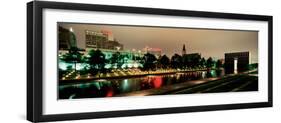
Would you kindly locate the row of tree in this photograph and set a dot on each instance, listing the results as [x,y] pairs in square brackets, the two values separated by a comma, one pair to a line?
[187,61]
[97,61]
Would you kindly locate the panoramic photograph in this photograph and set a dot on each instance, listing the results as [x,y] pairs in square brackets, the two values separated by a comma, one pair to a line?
[102,60]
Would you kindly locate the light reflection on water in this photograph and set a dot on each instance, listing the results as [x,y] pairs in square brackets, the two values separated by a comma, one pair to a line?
[111,87]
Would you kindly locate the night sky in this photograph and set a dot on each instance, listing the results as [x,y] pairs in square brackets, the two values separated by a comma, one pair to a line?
[210,43]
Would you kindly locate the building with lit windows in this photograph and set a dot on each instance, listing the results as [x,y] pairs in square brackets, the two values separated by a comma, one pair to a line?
[130,58]
[155,51]
[101,40]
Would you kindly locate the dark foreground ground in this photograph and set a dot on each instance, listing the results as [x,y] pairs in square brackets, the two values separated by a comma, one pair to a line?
[237,83]
[230,83]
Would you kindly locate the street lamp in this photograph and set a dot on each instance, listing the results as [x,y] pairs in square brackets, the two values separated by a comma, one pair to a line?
[71,30]
[118,48]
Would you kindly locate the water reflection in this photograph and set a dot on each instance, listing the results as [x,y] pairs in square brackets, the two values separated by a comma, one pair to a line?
[111,87]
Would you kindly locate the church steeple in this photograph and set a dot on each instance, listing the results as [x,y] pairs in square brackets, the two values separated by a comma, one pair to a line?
[183,50]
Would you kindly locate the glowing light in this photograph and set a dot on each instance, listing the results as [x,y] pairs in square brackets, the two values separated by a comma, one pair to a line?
[109,93]
[72,96]
[123,66]
[101,80]
[136,65]
[213,73]
[130,65]
[204,74]
[235,66]
[89,76]
[79,66]
[118,48]
[107,66]
[63,65]
[97,85]
[157,82]
[140,65]
[125,85]
[78,76]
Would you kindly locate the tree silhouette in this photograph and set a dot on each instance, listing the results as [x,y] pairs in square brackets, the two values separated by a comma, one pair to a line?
[116,59]
[164,61]
[187,61]
[203,62]
[149,61]
[210,62]
[73,56]
[218,64]
[176,61]
[195,60]
[191,60]
[96,61]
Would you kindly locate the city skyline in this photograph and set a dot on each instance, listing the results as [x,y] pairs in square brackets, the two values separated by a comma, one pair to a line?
[209,43]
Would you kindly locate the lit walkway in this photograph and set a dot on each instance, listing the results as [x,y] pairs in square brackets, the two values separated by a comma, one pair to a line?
[71,78]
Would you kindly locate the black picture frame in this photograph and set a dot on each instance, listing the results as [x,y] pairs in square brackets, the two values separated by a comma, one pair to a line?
[34,60]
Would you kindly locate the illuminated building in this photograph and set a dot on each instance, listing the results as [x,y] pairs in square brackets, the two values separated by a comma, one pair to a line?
[101,40]
[155,51]
[130,58]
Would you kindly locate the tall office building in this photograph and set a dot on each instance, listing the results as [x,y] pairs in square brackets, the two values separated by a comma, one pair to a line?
[101,40]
